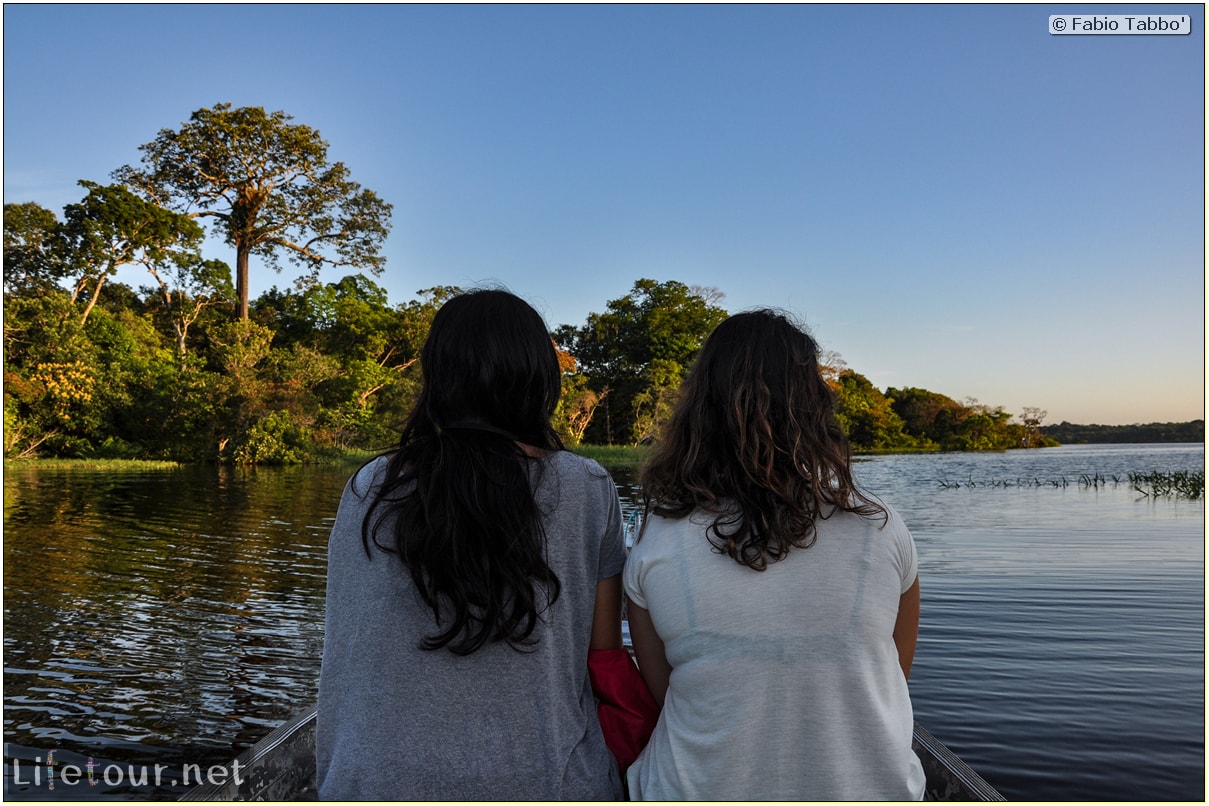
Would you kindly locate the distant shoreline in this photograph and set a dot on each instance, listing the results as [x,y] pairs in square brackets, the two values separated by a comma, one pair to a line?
[1074,434]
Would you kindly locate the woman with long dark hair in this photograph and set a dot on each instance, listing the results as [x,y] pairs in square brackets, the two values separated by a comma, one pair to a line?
[774,606]
[470,572]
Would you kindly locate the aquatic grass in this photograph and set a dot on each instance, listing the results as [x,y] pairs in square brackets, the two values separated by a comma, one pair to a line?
[612,455]
[1156,484]
[91,464]
[325,456]
[1178,484]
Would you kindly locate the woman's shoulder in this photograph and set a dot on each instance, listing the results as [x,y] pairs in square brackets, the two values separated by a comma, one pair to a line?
[892,520]
[574,464]
[654,531]
[368,476]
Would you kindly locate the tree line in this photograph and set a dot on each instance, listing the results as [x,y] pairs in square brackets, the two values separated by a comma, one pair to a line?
[314,372]
[188,368]
[1138,433]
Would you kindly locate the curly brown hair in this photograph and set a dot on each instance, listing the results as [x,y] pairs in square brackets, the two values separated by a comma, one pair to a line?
[754,442]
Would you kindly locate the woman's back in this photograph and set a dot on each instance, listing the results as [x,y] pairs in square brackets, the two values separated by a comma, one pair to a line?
[775,605]
[785,682]
[398,722]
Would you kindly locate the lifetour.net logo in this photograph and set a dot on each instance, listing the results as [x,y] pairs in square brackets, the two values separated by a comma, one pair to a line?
[62,775]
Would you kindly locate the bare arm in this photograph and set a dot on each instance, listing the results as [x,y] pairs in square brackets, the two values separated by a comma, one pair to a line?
[606,618]
[906,628]
[648,647]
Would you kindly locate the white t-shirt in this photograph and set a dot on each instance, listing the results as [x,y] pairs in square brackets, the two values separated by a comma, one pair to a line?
[785,683]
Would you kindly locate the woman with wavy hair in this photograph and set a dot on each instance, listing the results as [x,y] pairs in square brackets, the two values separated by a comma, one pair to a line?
[774,605]
[470,571]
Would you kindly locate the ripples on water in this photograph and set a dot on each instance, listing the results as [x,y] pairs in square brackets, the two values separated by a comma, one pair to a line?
[1061,647]
[171,613]
[1062,636]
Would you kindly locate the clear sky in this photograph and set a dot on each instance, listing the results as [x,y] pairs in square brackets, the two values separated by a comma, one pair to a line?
[949,196]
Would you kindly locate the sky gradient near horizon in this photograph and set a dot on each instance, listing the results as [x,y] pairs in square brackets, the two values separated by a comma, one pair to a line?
[949,196]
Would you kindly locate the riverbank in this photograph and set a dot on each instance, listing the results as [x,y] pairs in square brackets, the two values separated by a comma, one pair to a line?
[606,455]
[92,464]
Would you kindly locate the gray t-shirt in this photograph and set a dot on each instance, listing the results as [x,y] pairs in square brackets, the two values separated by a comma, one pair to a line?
[400,723]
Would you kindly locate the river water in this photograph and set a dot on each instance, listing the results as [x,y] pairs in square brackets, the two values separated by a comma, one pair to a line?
[178,615]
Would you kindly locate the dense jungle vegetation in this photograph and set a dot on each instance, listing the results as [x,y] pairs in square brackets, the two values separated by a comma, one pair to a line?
[187,368]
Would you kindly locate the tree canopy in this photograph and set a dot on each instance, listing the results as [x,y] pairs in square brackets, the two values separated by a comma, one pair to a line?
[635,354]
[111,227]
[34,258]
[165,372]
[269,186]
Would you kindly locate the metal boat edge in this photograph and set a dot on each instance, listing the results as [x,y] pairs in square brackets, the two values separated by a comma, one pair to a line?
[948,777]
[281,767]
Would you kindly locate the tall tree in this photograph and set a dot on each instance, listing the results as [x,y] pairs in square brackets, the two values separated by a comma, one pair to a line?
[1033,417]
[269,186]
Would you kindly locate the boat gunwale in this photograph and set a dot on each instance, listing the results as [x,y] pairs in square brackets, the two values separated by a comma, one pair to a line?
[949,778]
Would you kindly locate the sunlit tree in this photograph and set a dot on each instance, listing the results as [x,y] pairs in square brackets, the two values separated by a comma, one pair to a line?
[34,258]
[269,187]
[638,351]
[111,228]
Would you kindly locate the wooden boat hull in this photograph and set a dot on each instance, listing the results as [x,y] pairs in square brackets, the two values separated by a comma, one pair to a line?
[281,767]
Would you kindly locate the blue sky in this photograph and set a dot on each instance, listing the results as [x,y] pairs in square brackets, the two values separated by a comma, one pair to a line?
[950,197]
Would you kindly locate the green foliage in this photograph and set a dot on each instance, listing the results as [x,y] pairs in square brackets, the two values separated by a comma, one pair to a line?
[333,368]
[114,447]
[611,456]
[180,415]
[269,186]
[187,286]
[577,406]
[637,352]
[91,368]
[111,227]
[34,258]
[867,417]
[275,439]
[653,403]
[926,415]
[54,385]
[938,420]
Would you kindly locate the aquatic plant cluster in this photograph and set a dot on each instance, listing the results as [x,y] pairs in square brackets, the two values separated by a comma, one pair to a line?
[1183,484]
[1180,484]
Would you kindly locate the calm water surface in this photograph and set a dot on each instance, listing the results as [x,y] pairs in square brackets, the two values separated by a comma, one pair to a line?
[179,614]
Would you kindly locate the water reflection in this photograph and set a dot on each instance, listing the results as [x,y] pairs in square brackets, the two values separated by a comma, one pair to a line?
[1062,639]
[170,608]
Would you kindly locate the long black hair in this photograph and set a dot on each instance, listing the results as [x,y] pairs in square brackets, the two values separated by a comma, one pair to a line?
[457,502]
[754,441]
